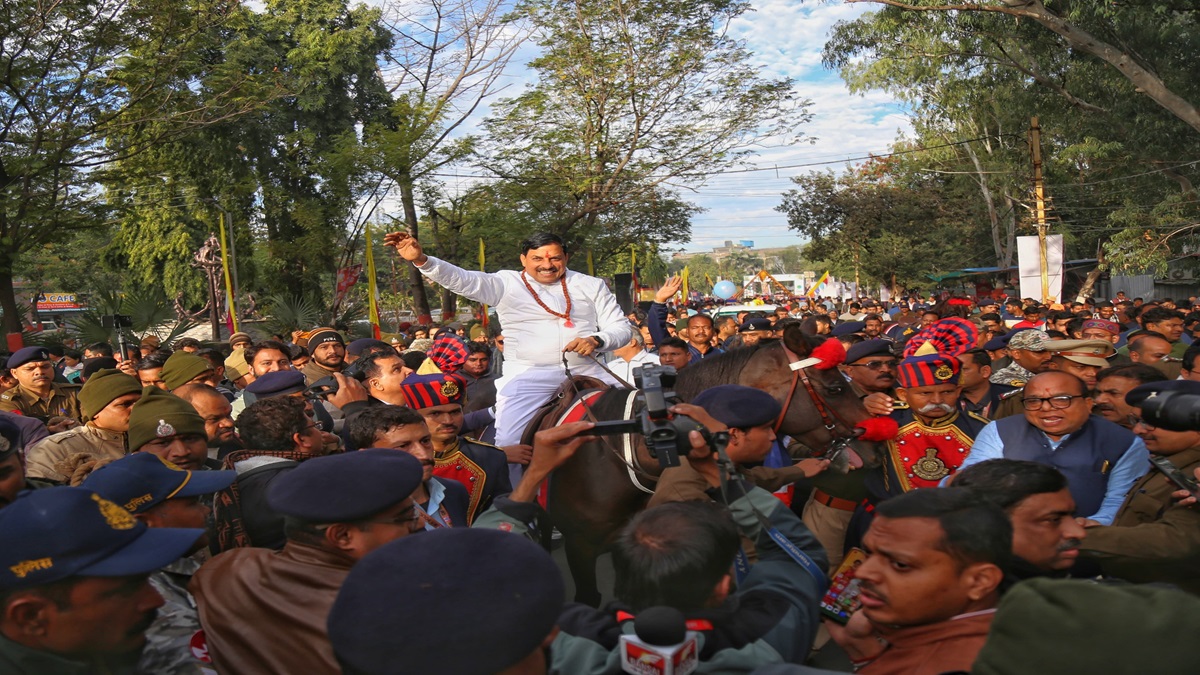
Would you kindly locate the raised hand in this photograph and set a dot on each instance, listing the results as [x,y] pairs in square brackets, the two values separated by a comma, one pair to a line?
[406,245]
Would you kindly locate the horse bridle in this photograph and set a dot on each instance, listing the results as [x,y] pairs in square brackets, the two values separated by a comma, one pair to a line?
[829,418]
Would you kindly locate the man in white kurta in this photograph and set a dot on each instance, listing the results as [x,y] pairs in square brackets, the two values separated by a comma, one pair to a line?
[540,323]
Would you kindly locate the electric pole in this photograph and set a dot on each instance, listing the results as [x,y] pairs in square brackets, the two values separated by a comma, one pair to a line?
[1039,191]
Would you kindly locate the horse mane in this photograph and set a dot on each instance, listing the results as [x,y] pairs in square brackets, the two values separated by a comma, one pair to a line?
[719,369]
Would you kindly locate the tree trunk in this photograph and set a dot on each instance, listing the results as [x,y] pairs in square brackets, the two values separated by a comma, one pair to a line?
[416,279]
[993,217]
[8,297]
[1010,234]
[1085,291]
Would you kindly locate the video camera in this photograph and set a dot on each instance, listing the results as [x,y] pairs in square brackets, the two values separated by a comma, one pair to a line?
[1173,411]
[666,434]
[116,321]
[328,386]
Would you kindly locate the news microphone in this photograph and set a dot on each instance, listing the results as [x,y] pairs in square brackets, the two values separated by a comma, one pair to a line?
[661,644]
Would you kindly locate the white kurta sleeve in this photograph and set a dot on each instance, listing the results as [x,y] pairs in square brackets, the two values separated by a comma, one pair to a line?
[478,286]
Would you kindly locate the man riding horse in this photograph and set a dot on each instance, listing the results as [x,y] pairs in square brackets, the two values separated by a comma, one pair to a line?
[546,310]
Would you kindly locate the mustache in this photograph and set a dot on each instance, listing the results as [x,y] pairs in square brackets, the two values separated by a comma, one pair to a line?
[1068,545]
[934,407]
[1103,406]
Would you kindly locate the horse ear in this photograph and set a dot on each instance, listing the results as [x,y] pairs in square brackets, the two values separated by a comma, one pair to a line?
[793,339]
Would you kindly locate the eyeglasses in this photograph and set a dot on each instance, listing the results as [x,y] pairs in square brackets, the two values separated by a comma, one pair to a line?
[874,365]
[1057,402]
[1134,421]
[410,517]
[499,342]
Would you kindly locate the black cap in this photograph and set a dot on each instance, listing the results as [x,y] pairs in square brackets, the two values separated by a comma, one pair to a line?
[738,406]
[869,348]
[277,383]
[424,587]
[848,327]
[347,487]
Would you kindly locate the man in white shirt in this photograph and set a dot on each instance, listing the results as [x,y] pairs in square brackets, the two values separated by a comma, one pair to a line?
[546,311]
[631,357]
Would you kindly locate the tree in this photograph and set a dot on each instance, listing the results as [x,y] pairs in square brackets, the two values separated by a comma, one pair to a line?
[632,98]
[1109,32]
[71,74]
[880,226]
[447,58]
[1114,159]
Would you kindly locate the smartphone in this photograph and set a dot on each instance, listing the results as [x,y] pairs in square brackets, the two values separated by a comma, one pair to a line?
[1174,475]
[841,600]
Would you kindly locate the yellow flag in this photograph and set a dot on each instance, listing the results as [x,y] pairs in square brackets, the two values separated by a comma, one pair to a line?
[483,309]
[231,318]
[684,277]
[591,265]
[372,291]
[812,290]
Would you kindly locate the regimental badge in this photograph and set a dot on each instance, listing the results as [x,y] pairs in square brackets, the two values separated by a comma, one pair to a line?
[116,517]
[449,389]
[164,429]
[943,372]
[930,467]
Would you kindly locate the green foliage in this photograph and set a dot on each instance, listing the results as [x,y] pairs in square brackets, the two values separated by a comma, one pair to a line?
[1118,151]
[287,313]
[881,225]
[629,98]
[150,310]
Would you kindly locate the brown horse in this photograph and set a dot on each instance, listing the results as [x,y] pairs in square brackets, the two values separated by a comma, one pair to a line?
[592,496]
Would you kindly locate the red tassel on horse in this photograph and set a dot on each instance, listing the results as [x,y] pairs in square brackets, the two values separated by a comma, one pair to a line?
[878,429]
[831,352]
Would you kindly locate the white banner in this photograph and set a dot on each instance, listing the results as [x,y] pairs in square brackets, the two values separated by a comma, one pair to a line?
[1029,260]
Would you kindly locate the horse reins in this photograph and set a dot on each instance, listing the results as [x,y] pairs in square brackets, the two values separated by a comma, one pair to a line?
[799,369]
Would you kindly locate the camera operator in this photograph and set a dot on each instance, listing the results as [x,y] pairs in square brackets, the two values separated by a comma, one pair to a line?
[1153,539]
[750,415]
[680,555]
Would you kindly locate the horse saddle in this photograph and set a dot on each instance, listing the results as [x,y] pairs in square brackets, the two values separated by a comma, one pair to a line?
[570,391]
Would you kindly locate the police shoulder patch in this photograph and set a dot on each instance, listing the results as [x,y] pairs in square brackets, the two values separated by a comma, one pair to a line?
[1016,383]
[1009,394]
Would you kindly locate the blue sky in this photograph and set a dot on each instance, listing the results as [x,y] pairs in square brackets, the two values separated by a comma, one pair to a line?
[786,38]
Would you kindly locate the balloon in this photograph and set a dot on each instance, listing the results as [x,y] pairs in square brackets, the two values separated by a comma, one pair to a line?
[724,289]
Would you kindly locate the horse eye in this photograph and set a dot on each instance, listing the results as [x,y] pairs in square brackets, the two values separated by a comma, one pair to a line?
[835,389]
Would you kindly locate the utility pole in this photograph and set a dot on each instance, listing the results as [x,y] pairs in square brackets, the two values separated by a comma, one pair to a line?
[1039,191]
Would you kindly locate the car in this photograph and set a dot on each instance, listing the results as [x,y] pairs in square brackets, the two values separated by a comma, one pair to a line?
[733,310]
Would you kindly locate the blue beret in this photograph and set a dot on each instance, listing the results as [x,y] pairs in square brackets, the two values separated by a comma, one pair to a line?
[346,487]
[27,355]
[1140,393]
[52,534]
[142,480]
[848,327]
[277,383]
[868,348]
[739,406]
[424,587]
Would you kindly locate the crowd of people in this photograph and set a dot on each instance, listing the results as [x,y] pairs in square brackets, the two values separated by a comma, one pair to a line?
[312,503]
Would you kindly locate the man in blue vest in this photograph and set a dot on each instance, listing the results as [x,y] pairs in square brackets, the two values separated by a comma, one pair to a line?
[1101,460]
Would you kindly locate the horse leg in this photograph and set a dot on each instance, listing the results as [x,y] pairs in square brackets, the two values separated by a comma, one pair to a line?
[581,559]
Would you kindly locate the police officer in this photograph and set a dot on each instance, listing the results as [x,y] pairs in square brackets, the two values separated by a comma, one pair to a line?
[37,395]
[339,509]
[161,494]
[75,595]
